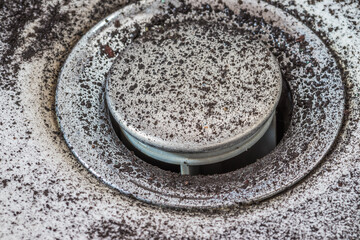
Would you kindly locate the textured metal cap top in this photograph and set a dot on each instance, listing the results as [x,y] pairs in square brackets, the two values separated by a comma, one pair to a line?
[193,88]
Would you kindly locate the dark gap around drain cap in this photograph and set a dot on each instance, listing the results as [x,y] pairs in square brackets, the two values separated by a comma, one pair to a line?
[283,118]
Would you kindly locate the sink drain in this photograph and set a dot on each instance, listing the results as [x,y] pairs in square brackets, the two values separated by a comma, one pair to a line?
[112,50]
[192,95]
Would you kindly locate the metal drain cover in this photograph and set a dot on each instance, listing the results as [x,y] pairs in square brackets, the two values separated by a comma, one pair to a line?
[193,93]
[305,63]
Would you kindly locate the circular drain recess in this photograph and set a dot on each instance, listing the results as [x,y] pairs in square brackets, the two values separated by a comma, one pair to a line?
[226,34]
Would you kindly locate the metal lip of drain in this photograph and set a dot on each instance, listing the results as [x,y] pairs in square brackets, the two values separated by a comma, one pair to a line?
[317,93]
[161,96]
[203,158]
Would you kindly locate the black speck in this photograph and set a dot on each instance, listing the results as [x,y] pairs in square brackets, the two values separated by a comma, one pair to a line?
[133,87]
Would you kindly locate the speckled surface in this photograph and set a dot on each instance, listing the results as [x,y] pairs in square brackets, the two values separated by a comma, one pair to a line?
[46,193]
[194,87]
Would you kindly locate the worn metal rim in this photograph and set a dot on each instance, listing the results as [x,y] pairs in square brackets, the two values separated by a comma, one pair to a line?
[197,159]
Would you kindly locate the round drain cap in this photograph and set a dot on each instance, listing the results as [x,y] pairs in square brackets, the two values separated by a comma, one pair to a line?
[192,94]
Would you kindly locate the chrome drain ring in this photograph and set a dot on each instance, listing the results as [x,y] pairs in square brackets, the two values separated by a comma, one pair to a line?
[317,116]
